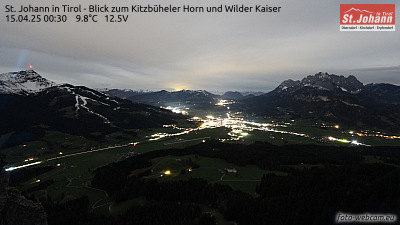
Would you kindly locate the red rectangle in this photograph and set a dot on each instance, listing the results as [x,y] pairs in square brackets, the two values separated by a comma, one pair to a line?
[367,14]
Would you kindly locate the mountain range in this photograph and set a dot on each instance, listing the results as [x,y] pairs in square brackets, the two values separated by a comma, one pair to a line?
[163,98]
[122,93]
[332,98]
[30,103]
[320,97]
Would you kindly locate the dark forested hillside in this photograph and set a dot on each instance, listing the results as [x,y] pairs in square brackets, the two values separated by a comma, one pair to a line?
[77,111]
[320,182]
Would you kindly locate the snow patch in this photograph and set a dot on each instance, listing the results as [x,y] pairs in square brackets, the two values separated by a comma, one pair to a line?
[77,103]
[84,105]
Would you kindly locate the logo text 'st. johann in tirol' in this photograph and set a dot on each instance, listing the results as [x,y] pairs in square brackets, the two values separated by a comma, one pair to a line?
[367,17]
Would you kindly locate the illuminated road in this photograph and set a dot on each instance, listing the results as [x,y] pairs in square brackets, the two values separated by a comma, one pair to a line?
[89,151]
[67,155]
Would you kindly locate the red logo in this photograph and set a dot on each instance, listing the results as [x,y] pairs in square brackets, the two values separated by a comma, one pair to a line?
[365,17]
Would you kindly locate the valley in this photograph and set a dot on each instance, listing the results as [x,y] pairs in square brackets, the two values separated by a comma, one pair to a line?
[102,157]
[75,158]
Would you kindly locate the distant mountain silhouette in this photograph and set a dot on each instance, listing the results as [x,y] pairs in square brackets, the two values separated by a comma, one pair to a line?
[161,98]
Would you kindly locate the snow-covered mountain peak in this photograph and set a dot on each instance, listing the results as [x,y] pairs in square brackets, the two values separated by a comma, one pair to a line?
[323,81]
[23,82]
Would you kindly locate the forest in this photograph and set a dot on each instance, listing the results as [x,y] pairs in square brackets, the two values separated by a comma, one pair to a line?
[319,182]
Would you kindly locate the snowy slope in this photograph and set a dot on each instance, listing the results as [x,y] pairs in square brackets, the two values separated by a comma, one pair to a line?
[23,82]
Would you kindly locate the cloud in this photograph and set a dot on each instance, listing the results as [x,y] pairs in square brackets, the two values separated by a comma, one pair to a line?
[387,74]
[387,68]
[220,51]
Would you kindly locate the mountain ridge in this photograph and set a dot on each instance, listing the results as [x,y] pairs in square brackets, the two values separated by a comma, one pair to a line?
[323,81]
[160,98]
[332,98]
[77,110]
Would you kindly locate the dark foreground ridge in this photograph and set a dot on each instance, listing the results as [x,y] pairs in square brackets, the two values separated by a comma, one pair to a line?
[302,184]
[16,209]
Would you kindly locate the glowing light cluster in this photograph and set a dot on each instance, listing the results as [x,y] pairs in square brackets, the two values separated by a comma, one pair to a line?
[224,102]
[176,110]
[353,142]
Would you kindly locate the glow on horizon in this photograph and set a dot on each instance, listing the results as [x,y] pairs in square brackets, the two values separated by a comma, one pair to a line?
[178,86]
